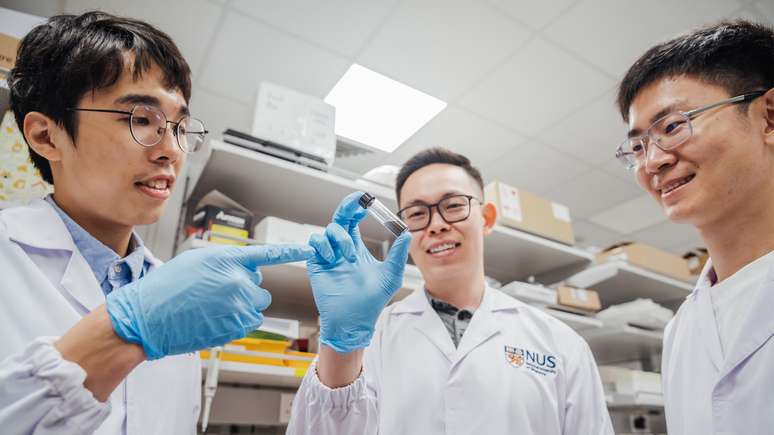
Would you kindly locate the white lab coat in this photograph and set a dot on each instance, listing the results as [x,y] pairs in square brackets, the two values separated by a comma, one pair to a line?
[46,286]
[415,381]
[705,393]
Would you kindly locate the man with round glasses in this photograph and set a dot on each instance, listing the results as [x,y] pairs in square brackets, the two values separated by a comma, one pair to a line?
[700,110]
[458,357]
[97,335]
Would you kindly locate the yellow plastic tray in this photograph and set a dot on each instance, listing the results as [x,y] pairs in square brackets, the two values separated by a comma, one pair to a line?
[257,345]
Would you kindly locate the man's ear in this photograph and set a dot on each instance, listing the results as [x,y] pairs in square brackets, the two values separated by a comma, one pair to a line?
[45,136]
[489,211]
[768,110]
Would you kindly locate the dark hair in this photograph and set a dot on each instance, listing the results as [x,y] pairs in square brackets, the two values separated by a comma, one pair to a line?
[432,156]
[736,55]
[60,61]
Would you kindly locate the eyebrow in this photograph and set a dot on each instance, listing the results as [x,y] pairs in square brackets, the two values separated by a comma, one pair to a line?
[149,100]
[444,196]
[660,114]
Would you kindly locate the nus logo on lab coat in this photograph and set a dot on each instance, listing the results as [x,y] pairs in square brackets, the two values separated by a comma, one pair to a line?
[534,361]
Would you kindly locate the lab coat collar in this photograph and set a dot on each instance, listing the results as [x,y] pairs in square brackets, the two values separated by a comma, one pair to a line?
[416,302]
[482,325]
[37,225]
[757,327]
[706,316]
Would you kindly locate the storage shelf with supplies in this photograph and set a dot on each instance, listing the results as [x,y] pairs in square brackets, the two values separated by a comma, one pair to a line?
[256,374]
[270,186]
[618,281]
[575,321]
[621,402]
[622,343]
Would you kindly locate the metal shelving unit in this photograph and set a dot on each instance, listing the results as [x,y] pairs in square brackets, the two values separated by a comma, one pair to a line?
[618,281]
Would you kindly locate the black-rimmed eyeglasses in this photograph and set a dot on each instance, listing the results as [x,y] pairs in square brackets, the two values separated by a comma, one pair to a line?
[147,125]
[455,208]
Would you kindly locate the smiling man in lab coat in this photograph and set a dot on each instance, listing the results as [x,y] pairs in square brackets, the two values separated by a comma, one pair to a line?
[95,335]
[700,110]
[456,358]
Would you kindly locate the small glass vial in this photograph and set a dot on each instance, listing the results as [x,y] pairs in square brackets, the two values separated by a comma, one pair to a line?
[383,214]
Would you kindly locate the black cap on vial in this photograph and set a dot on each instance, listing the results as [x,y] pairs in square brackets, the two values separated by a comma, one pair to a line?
[366,200]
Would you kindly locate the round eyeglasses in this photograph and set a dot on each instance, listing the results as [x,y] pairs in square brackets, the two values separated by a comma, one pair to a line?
[147,125]
[453,209]
[668,132]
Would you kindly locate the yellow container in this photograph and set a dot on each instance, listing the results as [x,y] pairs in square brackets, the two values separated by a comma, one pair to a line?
[300,366]
[296,363]
[254,344]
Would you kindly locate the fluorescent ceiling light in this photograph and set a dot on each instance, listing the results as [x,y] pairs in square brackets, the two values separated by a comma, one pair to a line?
[378,111]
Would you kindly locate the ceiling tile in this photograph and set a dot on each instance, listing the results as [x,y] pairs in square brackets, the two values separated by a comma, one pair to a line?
[362,163]
[533,167]
[478,139]
[536,88]
[592,192]
[43,9]
[590,235]
[442,53]
[668,235]
[339,25]
[534,14]
[762,11]
[630,216]
[235,72]
[624,30]
[590,134]
[219,113]
[190,25]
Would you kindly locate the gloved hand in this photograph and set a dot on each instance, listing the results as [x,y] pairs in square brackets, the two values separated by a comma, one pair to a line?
[350,286]
[201,298]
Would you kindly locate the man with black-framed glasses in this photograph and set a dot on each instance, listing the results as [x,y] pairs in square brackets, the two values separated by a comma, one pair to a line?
[700,109]
[97,335]
[458,357]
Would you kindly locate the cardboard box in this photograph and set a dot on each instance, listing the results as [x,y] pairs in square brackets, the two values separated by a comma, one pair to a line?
[273,230]
[648,257]
[13,26]
[582,299]
[216,212]
[8,47]
[526,211]
[696,259]
[224,221]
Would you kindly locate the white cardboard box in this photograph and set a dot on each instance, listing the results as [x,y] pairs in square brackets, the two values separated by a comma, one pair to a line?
[273,230]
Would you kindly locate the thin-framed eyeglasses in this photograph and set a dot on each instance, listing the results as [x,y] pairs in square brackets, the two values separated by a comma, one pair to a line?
[452,209]
[669,132]
[147,125]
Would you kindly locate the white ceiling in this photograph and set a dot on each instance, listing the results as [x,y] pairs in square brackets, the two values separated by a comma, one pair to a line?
[530,84]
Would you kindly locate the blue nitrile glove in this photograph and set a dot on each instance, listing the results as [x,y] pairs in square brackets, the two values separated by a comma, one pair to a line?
[350,286]
[201,298]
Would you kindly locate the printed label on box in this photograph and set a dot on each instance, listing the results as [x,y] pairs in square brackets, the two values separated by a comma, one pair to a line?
[580,294]
[510,203]
[561,212]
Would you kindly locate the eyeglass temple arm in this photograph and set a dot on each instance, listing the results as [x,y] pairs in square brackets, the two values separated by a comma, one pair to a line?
[738,99]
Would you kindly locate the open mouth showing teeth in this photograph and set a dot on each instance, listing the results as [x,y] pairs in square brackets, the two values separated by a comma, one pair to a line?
[677,183]
[159,185]
[442,248]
